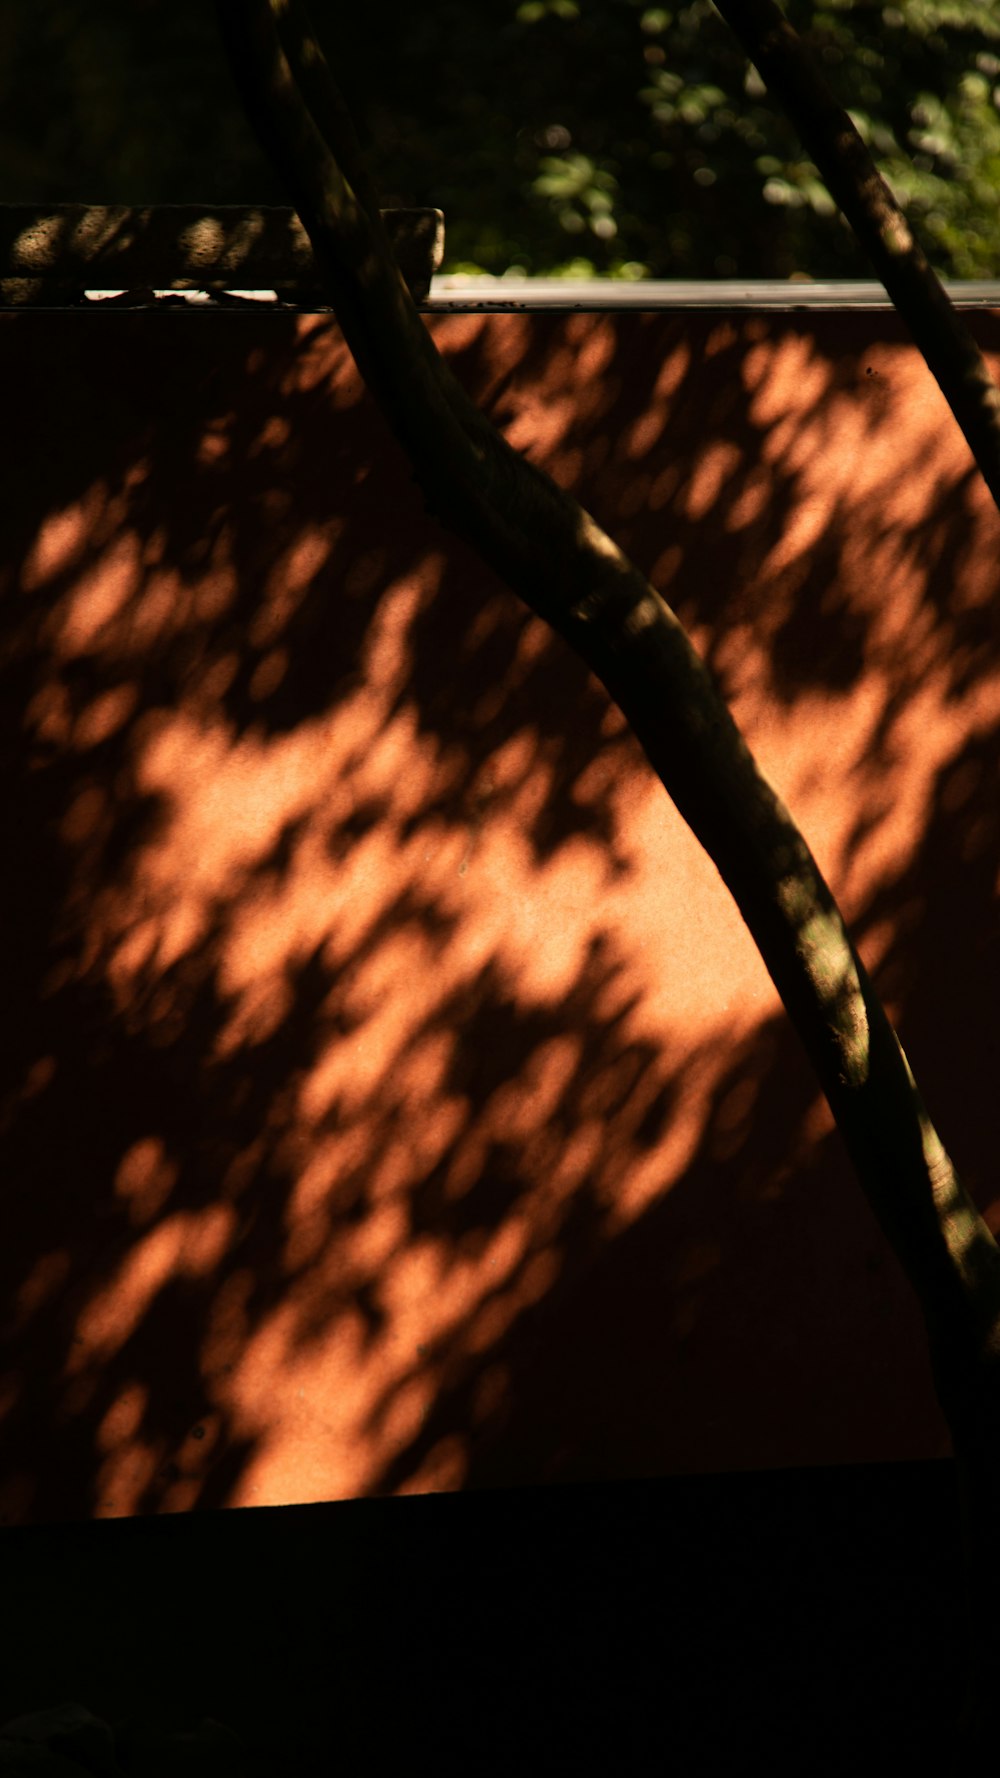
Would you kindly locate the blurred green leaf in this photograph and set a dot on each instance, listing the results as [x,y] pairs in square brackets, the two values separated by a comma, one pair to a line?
[637,128]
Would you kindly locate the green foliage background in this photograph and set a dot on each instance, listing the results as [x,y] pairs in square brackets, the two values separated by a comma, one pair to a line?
[583,137]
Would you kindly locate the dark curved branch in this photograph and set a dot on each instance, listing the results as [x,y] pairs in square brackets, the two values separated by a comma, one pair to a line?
[790,72]
[554,555]
[322,96]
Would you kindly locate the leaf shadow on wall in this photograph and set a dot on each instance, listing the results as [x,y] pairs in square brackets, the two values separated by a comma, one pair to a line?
[390,1097]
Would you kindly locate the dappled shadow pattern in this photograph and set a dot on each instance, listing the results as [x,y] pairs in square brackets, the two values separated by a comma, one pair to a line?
[391,1097]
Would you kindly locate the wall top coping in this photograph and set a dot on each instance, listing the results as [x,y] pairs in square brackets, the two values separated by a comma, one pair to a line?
[500,296]
[452,292]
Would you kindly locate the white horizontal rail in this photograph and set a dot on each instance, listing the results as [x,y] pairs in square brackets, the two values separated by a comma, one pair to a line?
[452,293]
[456,292]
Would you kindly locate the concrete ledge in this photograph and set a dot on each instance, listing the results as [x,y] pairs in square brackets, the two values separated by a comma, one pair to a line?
[710,1624]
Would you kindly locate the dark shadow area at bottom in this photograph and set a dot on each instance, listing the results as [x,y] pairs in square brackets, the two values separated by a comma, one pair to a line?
[806,1620]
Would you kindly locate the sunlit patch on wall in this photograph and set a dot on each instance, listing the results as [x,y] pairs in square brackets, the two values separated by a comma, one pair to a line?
[644,434]
[190,1243]
[145,1179]
[597,350]
[443,1469]
[60,543]
[104,716]
[717,463]
[98,598]
[123,1418]
[48,1273]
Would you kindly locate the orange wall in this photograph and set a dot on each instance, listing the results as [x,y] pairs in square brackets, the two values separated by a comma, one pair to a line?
[392,1099]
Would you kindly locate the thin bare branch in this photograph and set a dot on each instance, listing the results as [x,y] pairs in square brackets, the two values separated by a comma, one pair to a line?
[790,72]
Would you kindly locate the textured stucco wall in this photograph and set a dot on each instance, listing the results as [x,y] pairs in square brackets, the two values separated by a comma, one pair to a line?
[392,1099]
